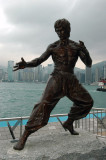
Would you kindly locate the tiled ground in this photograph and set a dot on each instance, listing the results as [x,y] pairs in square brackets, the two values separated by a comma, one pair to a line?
[54,127]
[51,127]
[52,142]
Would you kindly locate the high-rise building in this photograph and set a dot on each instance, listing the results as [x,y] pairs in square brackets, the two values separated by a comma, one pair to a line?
[50,68]
[105,71]
[82,78]
[78,75]
[45,74]
[28,75]
[97,75]
[40,76]
[1,74]
[88,76]
[5,77]
[20,75]
[10,71]
[38,73]
[16,76]
[46,71]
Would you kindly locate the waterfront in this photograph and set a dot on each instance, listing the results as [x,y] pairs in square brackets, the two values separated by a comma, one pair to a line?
[18,99]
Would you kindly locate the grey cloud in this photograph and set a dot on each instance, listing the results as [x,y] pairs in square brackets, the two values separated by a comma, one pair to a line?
[34,12]
[91,20]
[33,24]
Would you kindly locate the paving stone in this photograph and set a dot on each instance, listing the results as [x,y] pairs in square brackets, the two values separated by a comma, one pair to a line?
[56,146]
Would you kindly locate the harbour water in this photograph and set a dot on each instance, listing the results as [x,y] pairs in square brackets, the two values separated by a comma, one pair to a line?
[18,99]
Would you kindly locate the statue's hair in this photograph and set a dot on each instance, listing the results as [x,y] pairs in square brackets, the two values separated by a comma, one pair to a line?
[62,23]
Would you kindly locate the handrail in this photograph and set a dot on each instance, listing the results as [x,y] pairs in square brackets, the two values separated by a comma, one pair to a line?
[98,108]
[53,115]
[26,117]
[94,122]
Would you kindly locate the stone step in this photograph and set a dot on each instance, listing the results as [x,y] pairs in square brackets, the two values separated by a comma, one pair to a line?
[56,145]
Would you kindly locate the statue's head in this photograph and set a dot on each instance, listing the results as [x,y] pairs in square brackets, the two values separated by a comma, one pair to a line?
[62,28]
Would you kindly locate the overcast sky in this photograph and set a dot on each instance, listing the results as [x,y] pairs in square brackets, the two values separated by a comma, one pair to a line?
[27,27]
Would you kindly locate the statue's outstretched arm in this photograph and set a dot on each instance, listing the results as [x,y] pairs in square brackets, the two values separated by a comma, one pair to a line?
[84,55]
[35,62]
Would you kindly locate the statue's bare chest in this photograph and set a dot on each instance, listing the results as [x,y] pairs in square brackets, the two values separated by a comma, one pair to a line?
[65,53]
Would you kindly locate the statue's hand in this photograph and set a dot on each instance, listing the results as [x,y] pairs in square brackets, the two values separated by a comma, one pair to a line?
[83,51]
[20,65]
[81,44]
[82,47]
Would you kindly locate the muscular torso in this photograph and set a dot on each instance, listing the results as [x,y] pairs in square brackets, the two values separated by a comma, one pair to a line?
[65,57]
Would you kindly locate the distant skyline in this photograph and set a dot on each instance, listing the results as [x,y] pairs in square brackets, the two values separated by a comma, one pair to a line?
[27,27]
[98,63]
[41,74]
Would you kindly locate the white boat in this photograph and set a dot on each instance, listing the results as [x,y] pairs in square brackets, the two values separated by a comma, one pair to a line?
[102,85]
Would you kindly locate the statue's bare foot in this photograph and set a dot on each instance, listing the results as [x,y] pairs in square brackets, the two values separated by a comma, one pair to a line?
[20,145]
[70,128]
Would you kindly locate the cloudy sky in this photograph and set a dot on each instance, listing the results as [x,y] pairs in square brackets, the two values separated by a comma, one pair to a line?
[27,27]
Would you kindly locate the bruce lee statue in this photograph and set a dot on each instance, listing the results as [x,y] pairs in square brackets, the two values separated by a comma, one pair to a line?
[62,82]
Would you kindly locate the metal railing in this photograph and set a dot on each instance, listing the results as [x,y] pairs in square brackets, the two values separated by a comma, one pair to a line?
[95,122]
[19,122]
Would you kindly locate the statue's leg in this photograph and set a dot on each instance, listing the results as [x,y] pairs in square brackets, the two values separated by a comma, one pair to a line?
[41,112]
[82,105]
[21,143]
[68,125]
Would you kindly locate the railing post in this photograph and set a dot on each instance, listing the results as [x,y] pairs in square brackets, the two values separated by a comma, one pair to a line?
[79,123]
[85,124]
[82,123]
[97,122]
[101,123]
[76,124]
[93,120]
[89,122]
[21,127]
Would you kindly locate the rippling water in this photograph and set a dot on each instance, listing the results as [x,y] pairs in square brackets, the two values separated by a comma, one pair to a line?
[18,99]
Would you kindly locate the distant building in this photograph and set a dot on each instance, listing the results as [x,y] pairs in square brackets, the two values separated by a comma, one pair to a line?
[16,76]
[45,74]
[36,74]
[82,78]
[47,71]
[5,77]
[88,76]
[28,75]
[50,68]
[10,71]
[40,73]
[104,71]
[1,74]
[97,74]
[20,75]
[78,75]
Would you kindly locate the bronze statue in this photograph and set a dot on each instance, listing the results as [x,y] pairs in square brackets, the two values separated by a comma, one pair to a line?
[62,82]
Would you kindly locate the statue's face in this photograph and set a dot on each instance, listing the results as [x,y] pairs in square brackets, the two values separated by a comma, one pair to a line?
[62,33]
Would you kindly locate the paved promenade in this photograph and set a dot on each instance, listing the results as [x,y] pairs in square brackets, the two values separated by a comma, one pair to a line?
[52,142]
